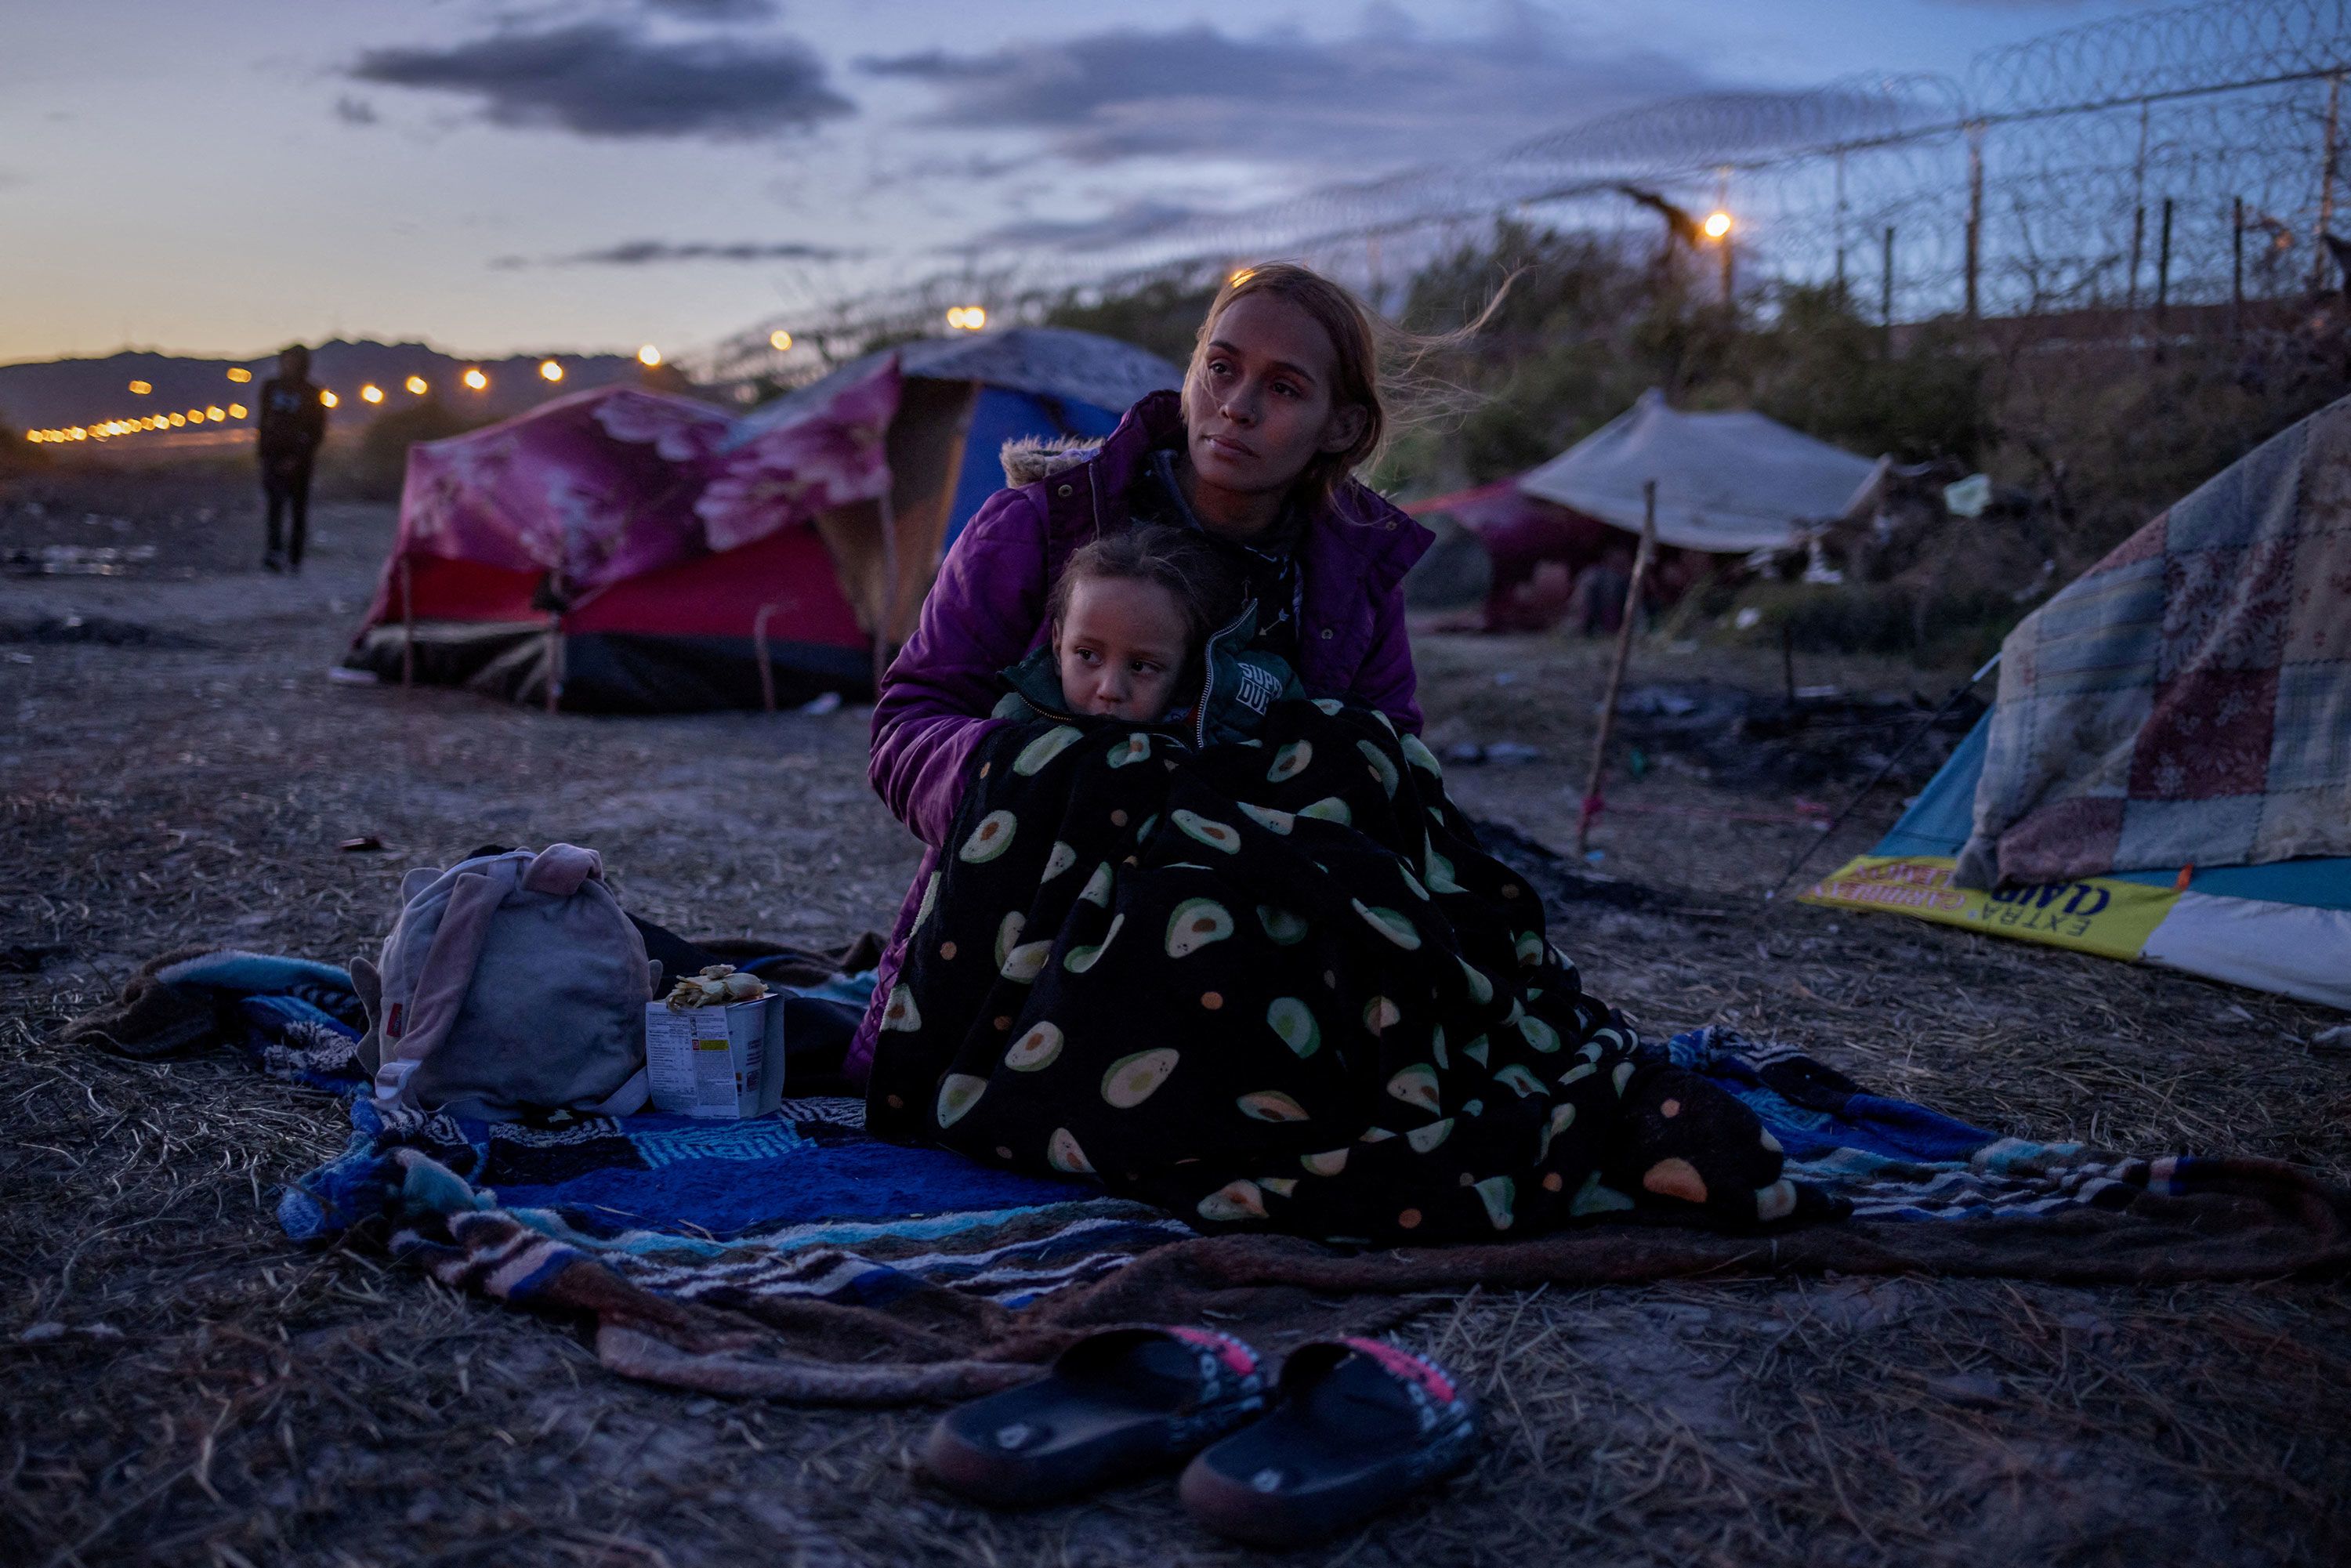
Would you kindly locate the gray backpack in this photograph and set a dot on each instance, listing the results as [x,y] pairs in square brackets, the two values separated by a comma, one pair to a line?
[511,983]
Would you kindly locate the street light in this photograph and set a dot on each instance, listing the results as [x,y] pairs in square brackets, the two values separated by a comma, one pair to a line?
[141,389]
[779,339]
[549,371]
[1717,228]
[327,399]
[649,356]
[966,317]
[475,379]
[239,374]
[372,392]
[416,385]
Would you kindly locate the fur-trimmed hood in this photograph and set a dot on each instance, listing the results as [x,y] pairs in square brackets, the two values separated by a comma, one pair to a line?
[1030,459]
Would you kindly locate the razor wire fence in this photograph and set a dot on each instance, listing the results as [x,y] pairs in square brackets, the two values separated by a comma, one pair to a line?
[2190,157]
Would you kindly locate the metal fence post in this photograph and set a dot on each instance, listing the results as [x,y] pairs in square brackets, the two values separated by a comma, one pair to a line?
[2138,214]
[2326,166]
[2237,268]
[1975,215]
[2163,267]
[1840,229]
[1886,299]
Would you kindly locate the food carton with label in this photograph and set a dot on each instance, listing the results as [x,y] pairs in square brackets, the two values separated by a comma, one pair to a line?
[715,1046]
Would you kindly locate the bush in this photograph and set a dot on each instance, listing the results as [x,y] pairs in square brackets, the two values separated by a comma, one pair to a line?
[1931,626]
[18,456]
[1163,316]
[379,465]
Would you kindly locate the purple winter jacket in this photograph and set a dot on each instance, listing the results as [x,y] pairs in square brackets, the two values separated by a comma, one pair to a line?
[986,612]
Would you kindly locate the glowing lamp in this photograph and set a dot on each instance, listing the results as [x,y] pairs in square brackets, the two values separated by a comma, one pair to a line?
[549,371]
[327,399]
[779,339]
[236,411]
[1716,224]
[215,413]
[966,317]
[372,392]
[475,379]
[415,384]
[239,374]
[649,356]
[142,388]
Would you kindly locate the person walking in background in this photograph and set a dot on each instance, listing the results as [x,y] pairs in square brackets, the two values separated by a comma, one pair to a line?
[293,422]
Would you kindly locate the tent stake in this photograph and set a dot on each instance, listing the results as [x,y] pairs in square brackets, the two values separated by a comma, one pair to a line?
[1878,778]
[1592,804]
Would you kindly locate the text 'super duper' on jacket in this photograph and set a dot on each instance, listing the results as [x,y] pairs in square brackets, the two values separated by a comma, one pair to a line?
[986,612]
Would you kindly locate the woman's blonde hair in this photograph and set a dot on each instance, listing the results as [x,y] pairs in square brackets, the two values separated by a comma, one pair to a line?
[1372,362]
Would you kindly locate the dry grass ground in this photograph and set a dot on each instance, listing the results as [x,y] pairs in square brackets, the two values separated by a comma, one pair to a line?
[179,1385]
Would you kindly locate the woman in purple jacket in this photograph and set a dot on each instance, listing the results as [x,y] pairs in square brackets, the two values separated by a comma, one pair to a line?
[1279,406]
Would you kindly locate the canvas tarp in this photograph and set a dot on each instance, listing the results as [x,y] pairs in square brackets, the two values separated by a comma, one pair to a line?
[2187,702]
[1727,482]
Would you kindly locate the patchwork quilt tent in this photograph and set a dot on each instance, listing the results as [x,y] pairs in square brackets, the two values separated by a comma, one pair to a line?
[622,550]
[2167,773]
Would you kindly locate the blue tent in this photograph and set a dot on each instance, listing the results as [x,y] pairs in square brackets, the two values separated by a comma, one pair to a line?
[964,397]
[999,414]
[2284,926]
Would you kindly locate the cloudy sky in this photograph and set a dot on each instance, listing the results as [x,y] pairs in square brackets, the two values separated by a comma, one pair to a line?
[217,176]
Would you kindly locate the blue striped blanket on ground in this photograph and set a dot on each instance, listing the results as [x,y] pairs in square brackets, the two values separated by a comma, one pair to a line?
[805,1205]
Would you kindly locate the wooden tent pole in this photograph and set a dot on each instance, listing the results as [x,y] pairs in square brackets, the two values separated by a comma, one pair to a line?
[407,625]
[1592,800]
[760,651]
[554,659]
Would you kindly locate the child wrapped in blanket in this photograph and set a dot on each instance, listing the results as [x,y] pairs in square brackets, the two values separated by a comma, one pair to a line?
[1235,953]
[1149,625]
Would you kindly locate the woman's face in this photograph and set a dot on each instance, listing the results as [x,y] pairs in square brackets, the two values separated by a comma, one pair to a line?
[1121,647]
[1257,405]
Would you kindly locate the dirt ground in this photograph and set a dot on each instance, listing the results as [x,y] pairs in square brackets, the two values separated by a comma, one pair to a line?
[180,1384]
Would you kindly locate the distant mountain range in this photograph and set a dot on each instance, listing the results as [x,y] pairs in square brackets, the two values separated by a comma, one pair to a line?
[65,393]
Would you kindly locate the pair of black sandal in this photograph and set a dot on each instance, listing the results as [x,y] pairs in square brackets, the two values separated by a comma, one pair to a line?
[1353,1427]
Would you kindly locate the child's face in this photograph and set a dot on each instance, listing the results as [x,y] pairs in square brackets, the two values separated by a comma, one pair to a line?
[1121,647]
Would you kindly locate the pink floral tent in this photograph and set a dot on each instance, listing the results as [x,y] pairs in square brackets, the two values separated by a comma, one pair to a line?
[625,549]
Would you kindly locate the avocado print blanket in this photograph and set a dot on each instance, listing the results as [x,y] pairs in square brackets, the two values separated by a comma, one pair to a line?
[1277,984]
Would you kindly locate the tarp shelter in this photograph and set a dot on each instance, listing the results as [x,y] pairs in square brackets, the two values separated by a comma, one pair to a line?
[648,553]
[965,397]
[1727,482]
[1518,534]
[2167,773]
